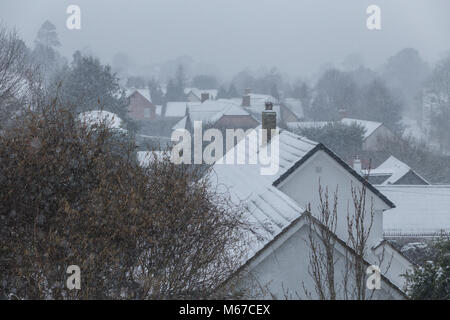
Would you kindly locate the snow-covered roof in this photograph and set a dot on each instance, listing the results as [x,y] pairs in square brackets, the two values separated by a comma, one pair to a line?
[261,99]
[420,210]
[258,105]
[306,124]
[370,126]
[234,110]
[393,168]
[211,111]
[256,111]
[145,157]
[295,105]
[176,109]
[143,92]
[98,117]
[237,101]
[269,211]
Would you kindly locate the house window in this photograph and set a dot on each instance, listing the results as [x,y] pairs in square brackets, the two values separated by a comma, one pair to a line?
[147,113]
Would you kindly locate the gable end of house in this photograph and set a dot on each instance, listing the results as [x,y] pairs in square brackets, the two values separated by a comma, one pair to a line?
[322,147]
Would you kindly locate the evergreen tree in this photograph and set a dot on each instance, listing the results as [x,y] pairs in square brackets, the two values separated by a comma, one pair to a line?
[136,82]
[89,85]
[175,88]
[432,280]
[156,93]
[172,92]
[180,79]
[204,82]
[346,140]
[304,94]
[222,93]
[47,35]
[378,103]
[405,72]
[335,90]
[274,92]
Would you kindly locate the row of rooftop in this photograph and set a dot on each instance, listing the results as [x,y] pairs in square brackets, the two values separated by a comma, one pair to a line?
[406,205]
[424,215]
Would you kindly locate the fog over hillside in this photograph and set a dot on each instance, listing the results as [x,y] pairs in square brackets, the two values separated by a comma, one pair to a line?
[298,37]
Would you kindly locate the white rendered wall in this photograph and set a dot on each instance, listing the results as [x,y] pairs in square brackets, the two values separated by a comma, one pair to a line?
[303,187]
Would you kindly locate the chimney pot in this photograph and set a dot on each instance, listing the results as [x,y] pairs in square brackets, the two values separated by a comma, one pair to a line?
[246,100]
[269,120]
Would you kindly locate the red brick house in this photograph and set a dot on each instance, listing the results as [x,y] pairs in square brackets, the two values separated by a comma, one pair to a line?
[140,105]
[222,114]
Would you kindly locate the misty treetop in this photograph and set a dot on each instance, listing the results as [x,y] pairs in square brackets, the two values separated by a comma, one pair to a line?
[431,280]
[405,72]
[347,140]
[204,82]
[47,35]
[337,92]
[88,85]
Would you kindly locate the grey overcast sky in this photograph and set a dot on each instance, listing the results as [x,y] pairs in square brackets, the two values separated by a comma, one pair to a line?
[297,36]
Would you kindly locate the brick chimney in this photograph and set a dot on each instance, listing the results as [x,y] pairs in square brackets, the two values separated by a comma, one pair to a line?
[269,120]
[246,99]
[205,96]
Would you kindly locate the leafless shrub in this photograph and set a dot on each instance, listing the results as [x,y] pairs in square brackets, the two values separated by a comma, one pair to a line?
[359,224]
[323,258]
[73,194]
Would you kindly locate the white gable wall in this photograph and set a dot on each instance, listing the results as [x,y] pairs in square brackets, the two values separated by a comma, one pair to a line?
[394,264]
[191,97]
[303,187]
[284,261]
[281,272]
